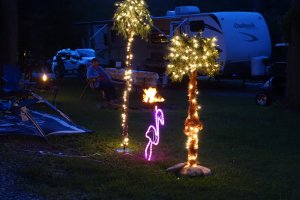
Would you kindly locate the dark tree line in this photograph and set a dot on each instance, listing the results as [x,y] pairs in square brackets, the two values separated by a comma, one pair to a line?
[293,69]
[47,26]
[9,31]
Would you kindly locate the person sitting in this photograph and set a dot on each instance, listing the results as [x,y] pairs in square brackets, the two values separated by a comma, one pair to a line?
[101,80]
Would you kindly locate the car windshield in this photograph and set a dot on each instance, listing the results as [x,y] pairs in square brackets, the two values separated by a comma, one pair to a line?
[86,52]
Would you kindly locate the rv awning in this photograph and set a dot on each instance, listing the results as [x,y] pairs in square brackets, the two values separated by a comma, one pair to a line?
[161,24]
[159,20]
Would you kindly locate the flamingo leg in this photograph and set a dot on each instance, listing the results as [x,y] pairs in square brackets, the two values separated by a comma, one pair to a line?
[148,151]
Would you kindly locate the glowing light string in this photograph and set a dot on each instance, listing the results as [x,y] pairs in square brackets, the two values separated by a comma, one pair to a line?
[128,87]
[153,133]
[131,19]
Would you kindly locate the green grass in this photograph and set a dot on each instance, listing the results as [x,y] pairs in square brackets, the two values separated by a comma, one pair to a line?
[252,151]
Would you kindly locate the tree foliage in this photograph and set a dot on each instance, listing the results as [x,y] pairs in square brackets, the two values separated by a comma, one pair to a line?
[132,17]
[188,54]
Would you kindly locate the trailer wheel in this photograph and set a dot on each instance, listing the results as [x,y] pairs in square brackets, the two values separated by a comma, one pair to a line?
[263,99]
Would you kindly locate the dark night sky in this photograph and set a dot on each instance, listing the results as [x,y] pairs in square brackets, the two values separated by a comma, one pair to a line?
[47,26]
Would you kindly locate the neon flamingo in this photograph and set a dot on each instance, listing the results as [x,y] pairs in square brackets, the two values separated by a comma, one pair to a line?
[153,133]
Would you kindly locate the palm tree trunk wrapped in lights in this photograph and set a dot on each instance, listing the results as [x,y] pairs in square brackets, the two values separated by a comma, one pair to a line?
[192,123]
[188,56]
[127,90]
[131,19]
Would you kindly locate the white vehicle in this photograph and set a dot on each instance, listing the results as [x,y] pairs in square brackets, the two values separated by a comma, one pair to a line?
[67,61]
[241,36]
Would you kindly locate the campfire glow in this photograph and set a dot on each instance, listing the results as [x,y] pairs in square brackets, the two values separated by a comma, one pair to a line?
[44,78]
[150,96]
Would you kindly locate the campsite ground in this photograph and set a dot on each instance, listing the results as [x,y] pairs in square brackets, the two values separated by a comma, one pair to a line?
[252,151]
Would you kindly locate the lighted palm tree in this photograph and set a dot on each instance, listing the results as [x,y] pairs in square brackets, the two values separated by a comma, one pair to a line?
[190,56]
[131,19]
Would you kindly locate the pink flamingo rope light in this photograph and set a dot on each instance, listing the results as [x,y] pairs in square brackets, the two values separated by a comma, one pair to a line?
[153,133]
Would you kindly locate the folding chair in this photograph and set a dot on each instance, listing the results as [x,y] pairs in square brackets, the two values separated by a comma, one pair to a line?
[12,90]
[11,77]
[91,83]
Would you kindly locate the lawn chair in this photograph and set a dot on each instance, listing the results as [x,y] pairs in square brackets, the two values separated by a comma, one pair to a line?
[90,83]
[13,96]
[11,77]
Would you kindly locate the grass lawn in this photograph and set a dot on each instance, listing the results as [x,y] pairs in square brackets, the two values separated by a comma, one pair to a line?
[252,151]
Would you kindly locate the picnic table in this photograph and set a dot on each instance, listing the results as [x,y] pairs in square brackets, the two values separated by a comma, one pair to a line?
[139,78]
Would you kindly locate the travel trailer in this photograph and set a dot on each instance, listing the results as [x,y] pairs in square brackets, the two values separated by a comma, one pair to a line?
[241,36]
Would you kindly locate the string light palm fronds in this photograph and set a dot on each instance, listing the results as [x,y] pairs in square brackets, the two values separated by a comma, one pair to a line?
[132,17]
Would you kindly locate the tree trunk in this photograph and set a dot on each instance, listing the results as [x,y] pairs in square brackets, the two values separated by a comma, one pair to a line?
[293,67]
[192,122]
[128,85]
[9,32]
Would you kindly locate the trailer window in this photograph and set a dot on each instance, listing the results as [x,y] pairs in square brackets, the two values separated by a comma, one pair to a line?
[197,26]
[158,38]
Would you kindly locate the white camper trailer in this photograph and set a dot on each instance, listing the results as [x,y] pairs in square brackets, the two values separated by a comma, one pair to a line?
[241,36]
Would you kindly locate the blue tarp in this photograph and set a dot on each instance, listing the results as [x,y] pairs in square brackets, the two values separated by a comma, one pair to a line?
[51,124]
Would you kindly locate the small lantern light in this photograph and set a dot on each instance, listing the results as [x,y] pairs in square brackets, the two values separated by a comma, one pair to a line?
[44,77]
